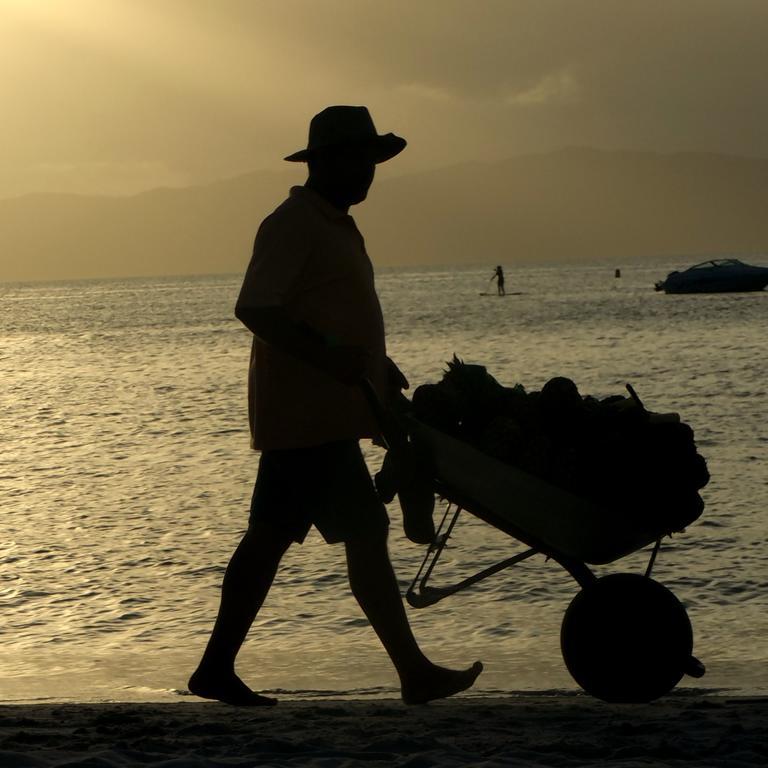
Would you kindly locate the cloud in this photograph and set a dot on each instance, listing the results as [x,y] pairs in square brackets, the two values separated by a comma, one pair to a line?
[425,92]
[210,89]
[555,88]
[111,178]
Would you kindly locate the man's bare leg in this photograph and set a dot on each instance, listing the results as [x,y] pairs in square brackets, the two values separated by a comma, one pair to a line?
[249,576]
[375,587]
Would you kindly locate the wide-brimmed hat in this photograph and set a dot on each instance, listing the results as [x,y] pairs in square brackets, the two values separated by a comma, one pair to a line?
[348,126]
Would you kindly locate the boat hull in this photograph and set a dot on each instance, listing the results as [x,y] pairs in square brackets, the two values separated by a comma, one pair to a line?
[716,276]
[718,286]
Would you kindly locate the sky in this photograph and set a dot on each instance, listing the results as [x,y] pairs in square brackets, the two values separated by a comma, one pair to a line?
[120,96]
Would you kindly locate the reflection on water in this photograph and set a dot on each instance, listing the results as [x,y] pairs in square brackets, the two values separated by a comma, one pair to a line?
[125,476]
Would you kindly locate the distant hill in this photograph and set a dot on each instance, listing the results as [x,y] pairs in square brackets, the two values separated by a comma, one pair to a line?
[197,230]
[565,206]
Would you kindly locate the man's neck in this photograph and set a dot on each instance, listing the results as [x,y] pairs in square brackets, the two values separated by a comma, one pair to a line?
[327,195]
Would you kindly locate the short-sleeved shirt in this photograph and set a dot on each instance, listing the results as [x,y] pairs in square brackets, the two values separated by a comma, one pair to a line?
[310,259]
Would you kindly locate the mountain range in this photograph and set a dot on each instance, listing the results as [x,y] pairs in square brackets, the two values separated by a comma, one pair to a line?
[571,205]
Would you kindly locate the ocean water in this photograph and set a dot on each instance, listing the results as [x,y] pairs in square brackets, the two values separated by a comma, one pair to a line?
[125,476]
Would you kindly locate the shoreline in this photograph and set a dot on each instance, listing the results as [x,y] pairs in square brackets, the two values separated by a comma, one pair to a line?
[373,695]
[523,729]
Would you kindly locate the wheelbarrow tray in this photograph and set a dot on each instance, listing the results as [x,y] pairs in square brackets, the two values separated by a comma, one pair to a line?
[624,636]
[543,516]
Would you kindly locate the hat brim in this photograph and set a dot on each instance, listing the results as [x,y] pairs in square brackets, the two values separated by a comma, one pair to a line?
[382,148]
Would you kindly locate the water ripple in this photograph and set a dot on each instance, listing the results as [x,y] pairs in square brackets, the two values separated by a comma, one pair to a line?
[125,477]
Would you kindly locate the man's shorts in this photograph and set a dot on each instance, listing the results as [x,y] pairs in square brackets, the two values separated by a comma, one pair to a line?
[327,486]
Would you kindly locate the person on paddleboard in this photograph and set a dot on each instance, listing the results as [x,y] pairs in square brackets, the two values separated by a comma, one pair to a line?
[498,276]
[309,299]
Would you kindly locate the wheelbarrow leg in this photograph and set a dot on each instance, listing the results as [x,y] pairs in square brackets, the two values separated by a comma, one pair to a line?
[426,595]
[434,551]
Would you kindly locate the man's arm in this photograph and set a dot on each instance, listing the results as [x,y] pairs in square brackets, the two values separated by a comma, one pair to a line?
[274,327]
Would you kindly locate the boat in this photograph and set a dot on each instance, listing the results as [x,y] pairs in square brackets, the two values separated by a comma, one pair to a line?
[716,276]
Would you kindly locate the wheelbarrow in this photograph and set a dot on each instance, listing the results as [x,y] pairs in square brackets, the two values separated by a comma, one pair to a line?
[624,637]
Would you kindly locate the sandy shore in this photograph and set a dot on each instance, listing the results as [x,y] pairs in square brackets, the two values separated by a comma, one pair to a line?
[690,729]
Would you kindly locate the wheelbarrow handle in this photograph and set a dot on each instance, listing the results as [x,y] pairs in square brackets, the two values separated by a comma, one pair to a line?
[413,486]
[392,433]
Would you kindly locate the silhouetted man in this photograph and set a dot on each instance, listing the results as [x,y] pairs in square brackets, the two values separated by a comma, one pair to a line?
[309,299]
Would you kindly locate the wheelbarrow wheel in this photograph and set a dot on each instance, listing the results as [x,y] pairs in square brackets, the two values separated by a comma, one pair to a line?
[626,638]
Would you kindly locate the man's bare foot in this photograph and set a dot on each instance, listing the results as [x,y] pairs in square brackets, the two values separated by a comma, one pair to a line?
[438,683]
[227,688]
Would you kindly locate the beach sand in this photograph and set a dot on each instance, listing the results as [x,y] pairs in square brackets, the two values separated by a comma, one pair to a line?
[683,729]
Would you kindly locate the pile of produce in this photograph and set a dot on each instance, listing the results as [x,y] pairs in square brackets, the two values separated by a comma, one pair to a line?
[611,450]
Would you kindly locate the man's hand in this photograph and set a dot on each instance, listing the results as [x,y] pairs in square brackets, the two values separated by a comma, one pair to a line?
[396,380]
[396,383]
